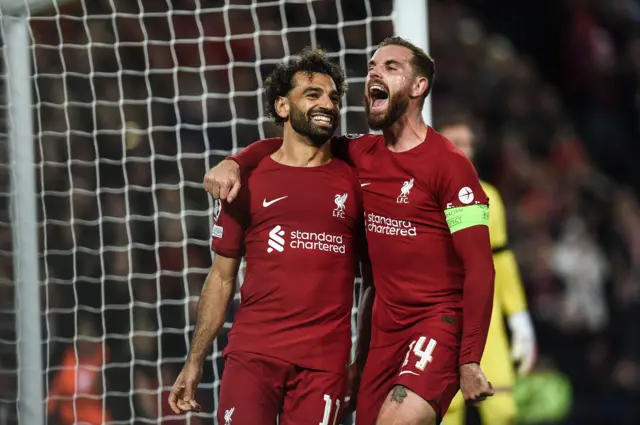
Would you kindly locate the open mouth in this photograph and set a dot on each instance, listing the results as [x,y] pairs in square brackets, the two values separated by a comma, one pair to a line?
[322,119]
[378,97]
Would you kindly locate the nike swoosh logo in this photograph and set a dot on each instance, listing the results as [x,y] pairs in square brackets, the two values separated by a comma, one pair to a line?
[408,371]
[364,184]
[266,203]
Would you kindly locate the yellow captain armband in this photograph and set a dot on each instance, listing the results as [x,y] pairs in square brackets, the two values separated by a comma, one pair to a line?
[460,218]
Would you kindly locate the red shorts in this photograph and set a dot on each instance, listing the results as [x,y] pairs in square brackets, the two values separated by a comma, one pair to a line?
[258,389]
[425,362]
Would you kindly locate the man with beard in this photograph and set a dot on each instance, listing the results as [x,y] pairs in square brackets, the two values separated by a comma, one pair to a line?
[427,233]
[297,221]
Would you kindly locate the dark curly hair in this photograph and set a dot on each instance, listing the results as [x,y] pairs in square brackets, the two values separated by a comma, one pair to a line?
[310,61]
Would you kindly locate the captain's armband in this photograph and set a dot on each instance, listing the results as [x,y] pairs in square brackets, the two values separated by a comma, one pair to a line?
[460,218]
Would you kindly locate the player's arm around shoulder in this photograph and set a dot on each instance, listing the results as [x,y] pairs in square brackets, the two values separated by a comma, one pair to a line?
[350,147]
[223,180]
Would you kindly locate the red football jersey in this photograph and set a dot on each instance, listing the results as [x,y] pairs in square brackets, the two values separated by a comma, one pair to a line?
[415,264]
[298,228]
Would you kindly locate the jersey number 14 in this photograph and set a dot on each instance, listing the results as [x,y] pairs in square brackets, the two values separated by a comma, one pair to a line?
[425,356]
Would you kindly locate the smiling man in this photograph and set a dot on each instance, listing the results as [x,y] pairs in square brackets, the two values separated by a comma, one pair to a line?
[427,232]
[297,221]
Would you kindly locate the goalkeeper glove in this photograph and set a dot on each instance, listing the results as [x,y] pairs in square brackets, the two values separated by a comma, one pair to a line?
[523,341]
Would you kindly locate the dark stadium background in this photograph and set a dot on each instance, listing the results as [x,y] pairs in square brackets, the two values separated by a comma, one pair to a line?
[554,86]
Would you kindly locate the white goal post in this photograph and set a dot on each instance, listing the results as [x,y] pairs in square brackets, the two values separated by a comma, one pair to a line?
[110,119]
[23,206]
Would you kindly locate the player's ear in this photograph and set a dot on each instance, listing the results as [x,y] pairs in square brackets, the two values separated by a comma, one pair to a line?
[282,107]
[420,86]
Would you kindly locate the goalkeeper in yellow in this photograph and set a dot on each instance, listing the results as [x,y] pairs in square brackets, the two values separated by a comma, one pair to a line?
[499,359]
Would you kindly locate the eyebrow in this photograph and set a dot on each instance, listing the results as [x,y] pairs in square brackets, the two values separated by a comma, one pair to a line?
[319,90]
[312,89]
[387,62]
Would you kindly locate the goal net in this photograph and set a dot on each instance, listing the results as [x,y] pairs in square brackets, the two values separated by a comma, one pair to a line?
[134,101]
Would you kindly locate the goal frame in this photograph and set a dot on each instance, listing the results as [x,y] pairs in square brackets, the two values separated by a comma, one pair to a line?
[24,216]
[410,20]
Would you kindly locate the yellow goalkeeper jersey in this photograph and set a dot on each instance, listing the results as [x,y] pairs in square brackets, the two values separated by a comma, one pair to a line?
[509,294]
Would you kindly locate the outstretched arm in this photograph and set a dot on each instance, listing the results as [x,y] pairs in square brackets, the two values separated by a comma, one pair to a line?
[223,180]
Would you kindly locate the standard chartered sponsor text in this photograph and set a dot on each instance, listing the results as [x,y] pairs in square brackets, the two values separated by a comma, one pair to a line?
[317,241]
[389,226]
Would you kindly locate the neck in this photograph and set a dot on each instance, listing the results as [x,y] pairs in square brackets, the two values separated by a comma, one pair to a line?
[407,132]
[298,151]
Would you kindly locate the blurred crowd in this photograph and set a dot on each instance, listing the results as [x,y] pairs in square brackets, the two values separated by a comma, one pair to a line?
[548,148]
[133,108]
[602,44]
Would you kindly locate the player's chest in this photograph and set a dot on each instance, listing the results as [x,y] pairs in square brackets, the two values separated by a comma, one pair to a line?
[398,194]
[333,206]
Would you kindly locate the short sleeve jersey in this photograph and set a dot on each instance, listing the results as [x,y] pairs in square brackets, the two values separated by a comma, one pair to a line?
[298,229]
[412,200]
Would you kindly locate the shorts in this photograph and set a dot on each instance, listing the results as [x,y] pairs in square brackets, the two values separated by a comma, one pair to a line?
[257,389]
[425,362]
